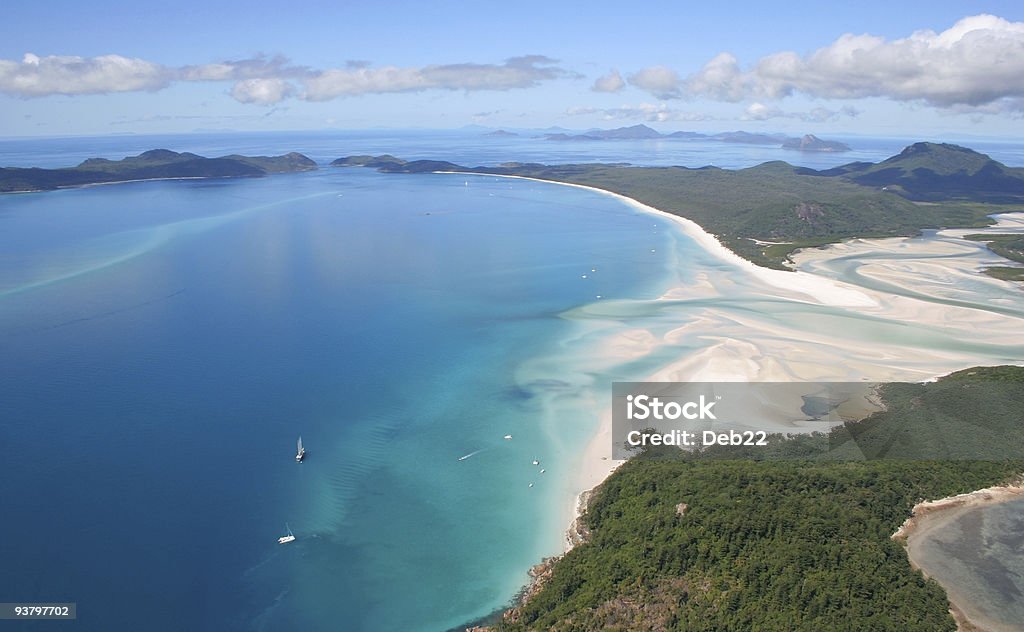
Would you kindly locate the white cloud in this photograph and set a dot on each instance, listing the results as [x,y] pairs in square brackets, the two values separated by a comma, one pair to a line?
[264,80]
[259,67]
[720,79]
[517,72]
[612,82]
[38,76]
[261,91]
[976,63]
[660,81]
[650,112]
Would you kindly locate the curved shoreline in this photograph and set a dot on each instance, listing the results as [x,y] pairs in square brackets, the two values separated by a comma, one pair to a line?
[745,357]
[598,463]
[725,362]
[929,516]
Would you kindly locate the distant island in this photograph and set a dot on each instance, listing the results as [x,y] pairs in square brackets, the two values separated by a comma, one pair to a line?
[766,212]
[810,142]
[643,132]
[752,139]
[150,165]
[501,134]
[762,213]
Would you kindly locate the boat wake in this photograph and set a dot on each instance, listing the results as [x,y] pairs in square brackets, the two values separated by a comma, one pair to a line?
[474,453]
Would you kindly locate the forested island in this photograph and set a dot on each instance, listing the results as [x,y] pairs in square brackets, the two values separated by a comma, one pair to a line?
[150,165]
[764,213]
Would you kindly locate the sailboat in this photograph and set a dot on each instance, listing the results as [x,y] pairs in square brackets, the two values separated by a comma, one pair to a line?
[285,539]
[300,452]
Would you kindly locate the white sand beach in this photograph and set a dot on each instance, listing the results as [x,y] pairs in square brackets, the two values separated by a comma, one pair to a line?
[911,310]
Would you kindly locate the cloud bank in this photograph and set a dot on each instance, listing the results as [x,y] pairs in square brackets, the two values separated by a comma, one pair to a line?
[265,81]
[978,63]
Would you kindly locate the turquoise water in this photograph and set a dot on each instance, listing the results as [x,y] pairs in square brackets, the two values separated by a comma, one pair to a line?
[163,345]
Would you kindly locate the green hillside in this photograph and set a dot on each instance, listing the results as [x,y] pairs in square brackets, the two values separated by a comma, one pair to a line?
[149,165]
[925,186]
[933,171]
[704,542]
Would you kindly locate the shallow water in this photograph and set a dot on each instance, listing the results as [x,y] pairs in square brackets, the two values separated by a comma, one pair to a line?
[977,554]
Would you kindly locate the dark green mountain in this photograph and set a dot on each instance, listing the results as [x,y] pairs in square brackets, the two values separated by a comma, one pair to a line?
[375,162]
[288,163]
[150,165]
[934,171]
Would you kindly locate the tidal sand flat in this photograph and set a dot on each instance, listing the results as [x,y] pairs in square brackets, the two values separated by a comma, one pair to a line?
[721,318]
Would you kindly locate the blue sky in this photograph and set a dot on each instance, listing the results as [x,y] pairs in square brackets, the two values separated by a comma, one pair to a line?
[929,69]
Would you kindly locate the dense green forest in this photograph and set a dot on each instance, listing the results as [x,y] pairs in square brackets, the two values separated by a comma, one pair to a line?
[802,544]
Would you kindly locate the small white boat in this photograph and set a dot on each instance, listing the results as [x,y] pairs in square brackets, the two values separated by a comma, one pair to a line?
[300,452]
[285,539]
[508,437]
[536,462]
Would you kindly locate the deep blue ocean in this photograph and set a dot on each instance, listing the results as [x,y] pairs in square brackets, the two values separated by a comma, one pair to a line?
[163,345]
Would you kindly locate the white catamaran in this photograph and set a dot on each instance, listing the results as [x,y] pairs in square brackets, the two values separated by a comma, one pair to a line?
[300,452]
[285,539]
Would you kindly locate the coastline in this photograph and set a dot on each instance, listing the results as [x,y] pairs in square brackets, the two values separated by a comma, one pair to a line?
[929,516]
[738,359]
[923,514]
[752,348]
[597,462]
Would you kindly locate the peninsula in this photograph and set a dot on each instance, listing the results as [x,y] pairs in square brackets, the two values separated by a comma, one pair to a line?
[155,164]
[765,213]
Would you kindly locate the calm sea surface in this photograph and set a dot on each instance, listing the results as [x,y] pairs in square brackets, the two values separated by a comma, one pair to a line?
[164,344]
